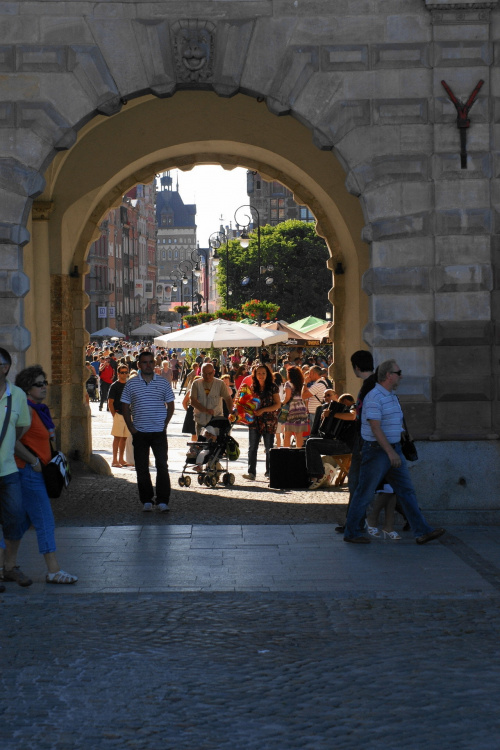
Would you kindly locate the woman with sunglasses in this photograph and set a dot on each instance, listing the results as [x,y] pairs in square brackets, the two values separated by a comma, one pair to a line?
[31,452]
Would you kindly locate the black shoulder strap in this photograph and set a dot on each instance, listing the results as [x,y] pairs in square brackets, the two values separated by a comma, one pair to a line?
[7,418]
[326,386]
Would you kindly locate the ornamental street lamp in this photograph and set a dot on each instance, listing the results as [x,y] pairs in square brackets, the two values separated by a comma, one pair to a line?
[244,239]
[215,241]
[206,255]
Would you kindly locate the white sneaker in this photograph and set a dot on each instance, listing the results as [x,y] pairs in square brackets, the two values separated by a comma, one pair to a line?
[251,477]
[162,507]
[317,483]
[147,507]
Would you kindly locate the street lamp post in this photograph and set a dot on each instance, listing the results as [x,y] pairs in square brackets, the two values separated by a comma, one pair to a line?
[244,238]
[215,241]
[206,255]
[195,273]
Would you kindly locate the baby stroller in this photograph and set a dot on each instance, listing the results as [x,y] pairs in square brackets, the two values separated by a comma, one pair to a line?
[91,386]
[207,455]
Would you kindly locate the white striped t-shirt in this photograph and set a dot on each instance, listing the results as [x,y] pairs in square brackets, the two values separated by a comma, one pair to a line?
[147,402]
[384,406]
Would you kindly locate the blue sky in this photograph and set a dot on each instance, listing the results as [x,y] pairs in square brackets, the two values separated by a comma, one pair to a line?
[217,192]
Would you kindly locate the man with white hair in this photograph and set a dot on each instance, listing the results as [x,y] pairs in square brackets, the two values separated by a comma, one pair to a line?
[207,395]
[381,456]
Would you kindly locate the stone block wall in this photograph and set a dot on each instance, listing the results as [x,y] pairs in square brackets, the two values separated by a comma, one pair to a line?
[365,76]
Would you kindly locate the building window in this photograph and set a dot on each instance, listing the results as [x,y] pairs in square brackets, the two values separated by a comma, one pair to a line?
[170,255]
[163,255]
[305,214]
[274,203]
[274,213]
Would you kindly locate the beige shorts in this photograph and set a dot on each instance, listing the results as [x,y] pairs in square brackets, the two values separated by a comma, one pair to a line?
[119,428]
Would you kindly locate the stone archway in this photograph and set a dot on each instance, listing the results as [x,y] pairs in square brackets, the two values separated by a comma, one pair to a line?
[148,136]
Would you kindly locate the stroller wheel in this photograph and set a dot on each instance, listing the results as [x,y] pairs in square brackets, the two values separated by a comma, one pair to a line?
[181,481]
[231,479]
[187,481]
[213,481]
[201,479]
[208,482]
[225,479]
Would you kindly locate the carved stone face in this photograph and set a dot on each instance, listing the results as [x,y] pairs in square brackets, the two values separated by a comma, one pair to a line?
[195,48]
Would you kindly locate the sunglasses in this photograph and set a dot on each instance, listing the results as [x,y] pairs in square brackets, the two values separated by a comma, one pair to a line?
[396,372]
[122,372]
[40,384]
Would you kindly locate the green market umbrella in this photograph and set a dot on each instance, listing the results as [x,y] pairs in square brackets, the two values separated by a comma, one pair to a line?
[306,324]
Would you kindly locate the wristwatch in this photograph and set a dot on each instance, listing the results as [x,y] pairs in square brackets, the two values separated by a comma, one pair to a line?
[36,463]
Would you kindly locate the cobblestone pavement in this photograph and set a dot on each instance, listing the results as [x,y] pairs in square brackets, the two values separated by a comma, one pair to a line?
[263,672]
[387,646]
[100,500]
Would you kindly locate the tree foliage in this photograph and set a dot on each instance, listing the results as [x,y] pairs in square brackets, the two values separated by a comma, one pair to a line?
[301,280]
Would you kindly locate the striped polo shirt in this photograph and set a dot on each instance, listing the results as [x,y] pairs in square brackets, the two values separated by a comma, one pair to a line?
[384,406]
[147,402]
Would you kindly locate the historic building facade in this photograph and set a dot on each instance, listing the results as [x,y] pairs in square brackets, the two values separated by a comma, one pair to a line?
[121,282]
[381,116]
[176,247]
[273,201]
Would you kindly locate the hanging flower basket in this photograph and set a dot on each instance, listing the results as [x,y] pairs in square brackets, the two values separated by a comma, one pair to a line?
[182,309]
[204,317]
[228,314]
[255,308]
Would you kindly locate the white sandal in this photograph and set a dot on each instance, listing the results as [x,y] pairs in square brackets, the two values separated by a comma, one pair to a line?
[60,577]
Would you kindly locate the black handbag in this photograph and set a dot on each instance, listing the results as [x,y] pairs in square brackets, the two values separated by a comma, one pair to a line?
[56,474]
[407,445]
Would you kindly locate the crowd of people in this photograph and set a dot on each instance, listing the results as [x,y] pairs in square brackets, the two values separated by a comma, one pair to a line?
[294,404]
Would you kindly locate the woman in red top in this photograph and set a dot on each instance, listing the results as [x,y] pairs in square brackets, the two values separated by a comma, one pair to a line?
[33,450]
[241,374]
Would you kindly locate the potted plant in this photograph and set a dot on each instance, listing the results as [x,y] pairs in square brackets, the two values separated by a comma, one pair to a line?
[261,310]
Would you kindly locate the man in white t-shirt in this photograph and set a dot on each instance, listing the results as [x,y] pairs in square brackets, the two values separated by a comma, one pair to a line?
[207,395]
[313,391]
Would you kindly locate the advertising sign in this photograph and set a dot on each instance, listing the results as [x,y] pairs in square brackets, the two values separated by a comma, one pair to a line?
[102,312]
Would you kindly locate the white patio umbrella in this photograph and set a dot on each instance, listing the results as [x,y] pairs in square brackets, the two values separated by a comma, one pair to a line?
[148,329]
[221,333]
[107,333]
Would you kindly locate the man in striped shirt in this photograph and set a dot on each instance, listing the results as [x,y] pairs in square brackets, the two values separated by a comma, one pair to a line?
[381,455]
[148,405]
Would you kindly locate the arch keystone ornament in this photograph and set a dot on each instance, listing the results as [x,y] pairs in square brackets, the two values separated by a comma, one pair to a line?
[194,48]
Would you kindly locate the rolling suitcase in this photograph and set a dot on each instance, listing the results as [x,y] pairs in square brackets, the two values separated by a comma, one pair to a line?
[287,469]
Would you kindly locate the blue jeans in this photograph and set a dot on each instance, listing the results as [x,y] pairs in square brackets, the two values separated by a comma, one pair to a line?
[157,441]
[317,447]
[37,505]
[353,476]
[253,443]
[13,516]
[375,465]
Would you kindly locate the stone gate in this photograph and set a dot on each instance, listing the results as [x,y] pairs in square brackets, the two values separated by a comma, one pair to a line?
[353,104]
